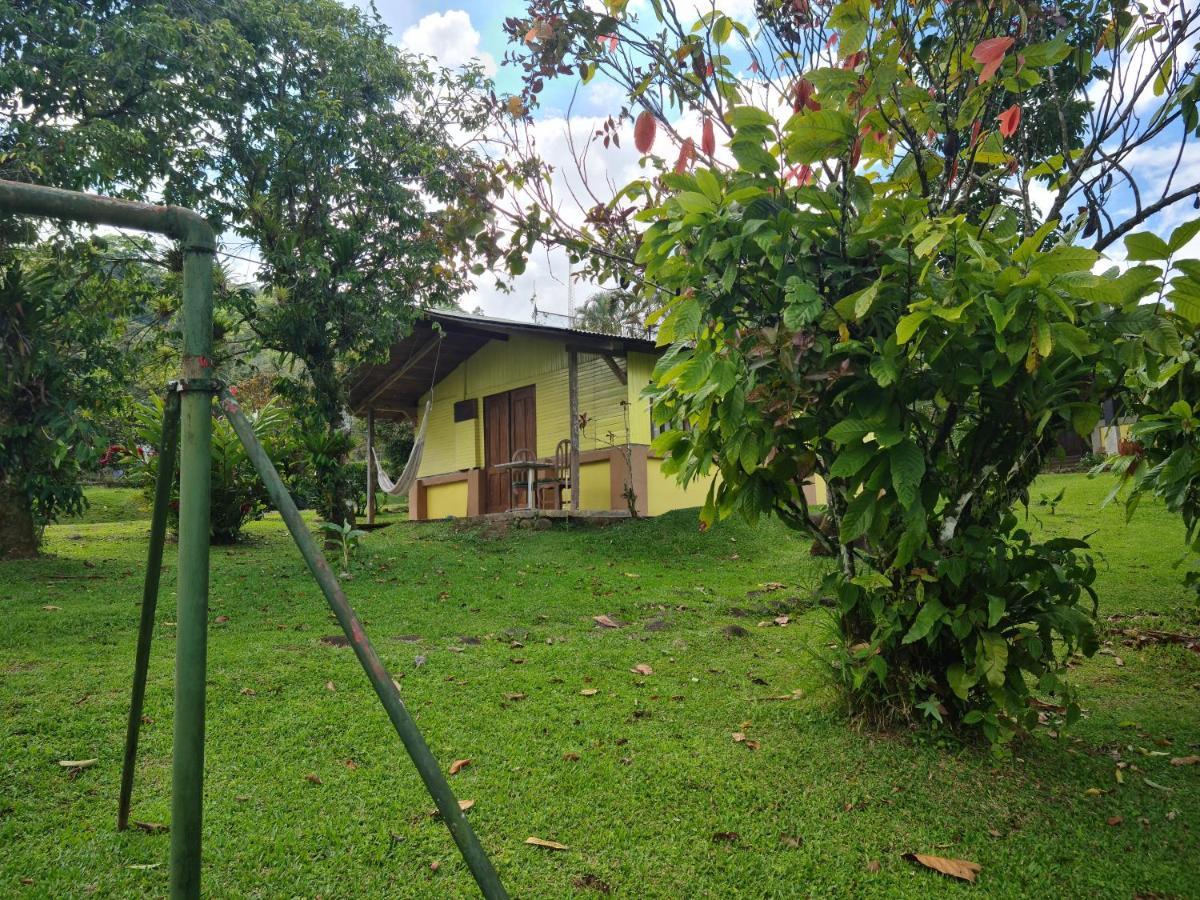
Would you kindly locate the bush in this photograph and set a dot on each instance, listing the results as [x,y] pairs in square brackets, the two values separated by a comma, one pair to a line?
[238,493]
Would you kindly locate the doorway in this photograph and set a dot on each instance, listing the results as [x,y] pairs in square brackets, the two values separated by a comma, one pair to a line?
[509,424]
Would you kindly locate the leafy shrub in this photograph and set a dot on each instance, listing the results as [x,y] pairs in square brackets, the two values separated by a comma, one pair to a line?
[238,493]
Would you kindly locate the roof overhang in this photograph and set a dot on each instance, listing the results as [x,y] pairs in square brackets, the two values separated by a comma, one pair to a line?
[440,340]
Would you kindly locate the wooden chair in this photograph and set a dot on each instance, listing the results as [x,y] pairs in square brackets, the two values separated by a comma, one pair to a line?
[519,478]
[550,489]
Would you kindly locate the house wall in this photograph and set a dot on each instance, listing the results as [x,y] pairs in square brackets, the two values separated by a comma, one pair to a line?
[442,500]
[503,365]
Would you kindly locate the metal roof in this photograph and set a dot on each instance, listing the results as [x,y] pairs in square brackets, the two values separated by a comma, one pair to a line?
[441,340]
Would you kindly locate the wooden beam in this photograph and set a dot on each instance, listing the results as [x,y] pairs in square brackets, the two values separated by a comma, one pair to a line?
[573,397]
[420,354]
[616,368]
[370,466]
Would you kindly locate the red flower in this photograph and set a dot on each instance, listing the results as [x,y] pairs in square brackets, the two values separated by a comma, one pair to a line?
[1009,120]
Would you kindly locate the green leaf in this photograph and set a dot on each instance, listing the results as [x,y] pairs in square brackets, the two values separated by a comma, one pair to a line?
[1146,246]
[857,519]
[814,136]
[744,116]
[851,460]
[692,202]
[960,682]
[993,657]
[1064,259]
[803,303]
[1181,235]
[850,430]
[931,613]
[908,468]
[996,609]
[907,326]
[1085,417]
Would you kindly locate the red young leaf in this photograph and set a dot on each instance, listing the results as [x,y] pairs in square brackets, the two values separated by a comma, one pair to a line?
[804,96]
[1009,120]
[687,153]
[990,54]
[708,138]
[644,129]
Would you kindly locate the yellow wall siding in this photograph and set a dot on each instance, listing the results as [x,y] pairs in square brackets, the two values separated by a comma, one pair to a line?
[595,487]
[442,500]
[639,367]
[665,493]
[520,361]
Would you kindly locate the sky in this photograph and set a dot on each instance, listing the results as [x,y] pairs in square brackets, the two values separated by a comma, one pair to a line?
[455,31]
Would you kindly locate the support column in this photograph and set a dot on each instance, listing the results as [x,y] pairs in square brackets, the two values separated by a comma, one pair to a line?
[191,632]
[573,395]
[371,466]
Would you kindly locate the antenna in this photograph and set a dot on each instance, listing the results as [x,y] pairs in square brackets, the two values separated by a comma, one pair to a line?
[570,296]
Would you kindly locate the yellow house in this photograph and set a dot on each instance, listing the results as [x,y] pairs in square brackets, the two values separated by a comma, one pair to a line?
[498,387]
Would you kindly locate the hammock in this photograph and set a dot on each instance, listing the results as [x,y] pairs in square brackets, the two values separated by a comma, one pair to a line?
[405,481]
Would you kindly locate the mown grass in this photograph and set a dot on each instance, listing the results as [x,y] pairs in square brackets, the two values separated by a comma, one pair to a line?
[657,775]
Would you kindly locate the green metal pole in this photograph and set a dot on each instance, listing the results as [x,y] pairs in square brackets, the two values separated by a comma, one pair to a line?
[435,782]
[191,629]
[198,242]
[167,453]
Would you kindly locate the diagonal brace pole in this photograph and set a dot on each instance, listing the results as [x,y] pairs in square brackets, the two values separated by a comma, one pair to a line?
[158,531]
[435,782]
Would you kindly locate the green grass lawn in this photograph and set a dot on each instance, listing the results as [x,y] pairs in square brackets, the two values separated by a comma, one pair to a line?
[636,779]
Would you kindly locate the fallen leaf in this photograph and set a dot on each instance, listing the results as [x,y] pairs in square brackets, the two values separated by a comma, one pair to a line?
[248,692]
[571,757]
[313,778]
[1115,820]
[642,669]
[725,837]
[738,737]
[1094,792]
[782,620]
[605,622]
[590,692]
[791,840]
[464,805]
[873,866]
[752,745]
[1185,760]
[221,620]
[77,763]
[51,608]
[419,661]
[458,765]
[151,827]
[547,845]
[514,696]
[330,686]
[144,866]
[955,868]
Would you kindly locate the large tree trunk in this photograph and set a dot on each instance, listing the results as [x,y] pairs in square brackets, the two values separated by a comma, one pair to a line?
[18,536]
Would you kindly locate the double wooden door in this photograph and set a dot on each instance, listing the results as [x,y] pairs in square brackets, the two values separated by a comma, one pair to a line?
[509,425]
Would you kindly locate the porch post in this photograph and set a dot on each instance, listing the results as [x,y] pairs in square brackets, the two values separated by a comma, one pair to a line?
[573,396]
[370,465]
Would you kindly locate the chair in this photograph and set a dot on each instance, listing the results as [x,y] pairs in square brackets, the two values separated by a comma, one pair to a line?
[519,478]
[558,479]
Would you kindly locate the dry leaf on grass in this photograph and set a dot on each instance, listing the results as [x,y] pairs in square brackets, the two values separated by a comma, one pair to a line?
[312,778]
[144,866]
[590,692]
[151,827]
[434,866]
[725,837]
[51,608]
[77,763]
[514,696]
[1115,820]
[544,844]
[330,686]
[642,669]
[873,866]
[791,840]
[1185,760]
[606,622]
[571,757]
[464,805]
[248,692]
[458,765]
[955,868]
[221,620]
[738,737]
[752,745]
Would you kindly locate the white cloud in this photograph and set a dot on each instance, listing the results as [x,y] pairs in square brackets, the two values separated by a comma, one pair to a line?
[450,38]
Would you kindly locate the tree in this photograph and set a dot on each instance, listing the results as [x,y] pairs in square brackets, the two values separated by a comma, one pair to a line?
[861,285]
[344,165]
[65,309]
[615,311]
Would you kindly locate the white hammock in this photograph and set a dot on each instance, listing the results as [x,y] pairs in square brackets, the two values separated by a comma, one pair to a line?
[405,481]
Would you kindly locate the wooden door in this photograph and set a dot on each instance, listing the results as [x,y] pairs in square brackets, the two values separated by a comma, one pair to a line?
[509,424]
[497,448]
